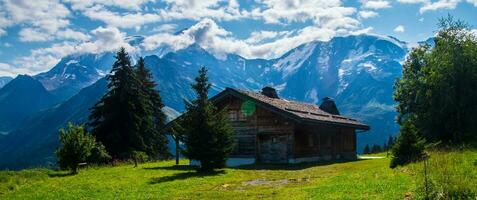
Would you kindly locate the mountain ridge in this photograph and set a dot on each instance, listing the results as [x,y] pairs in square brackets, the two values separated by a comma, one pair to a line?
[357,71]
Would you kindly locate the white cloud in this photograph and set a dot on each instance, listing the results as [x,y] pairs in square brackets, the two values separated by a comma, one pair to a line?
[441,4]
[43,17]
[428,5]
[201,9]
[399,29]
[120,20]
[375,4]
[42,59]
[165,28]
[9,70]
[365,14]
[220,42]
[474,2]
[125,4]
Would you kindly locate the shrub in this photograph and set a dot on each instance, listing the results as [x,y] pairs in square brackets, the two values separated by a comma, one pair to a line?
[76,146]
[139,157]
[99,155]
[408,148]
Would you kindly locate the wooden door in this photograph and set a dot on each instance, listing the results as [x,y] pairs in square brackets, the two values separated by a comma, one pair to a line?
[272,148]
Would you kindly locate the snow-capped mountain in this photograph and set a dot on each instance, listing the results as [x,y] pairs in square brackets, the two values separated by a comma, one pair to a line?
[357,71]
[75,72]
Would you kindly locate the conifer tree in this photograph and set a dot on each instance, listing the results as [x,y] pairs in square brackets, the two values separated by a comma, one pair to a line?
[116,120]
[156,141]
[409,146]
[208,134]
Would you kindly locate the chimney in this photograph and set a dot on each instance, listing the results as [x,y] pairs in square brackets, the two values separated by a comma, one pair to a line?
[270,92]
[328,105]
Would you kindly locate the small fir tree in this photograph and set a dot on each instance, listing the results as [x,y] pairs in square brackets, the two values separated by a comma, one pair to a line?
[409,147]
[208,134]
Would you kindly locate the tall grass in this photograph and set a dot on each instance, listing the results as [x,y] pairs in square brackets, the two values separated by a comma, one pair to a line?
[447,174]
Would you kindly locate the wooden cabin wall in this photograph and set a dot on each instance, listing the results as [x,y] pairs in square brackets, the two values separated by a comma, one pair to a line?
[261,125]
[323,140]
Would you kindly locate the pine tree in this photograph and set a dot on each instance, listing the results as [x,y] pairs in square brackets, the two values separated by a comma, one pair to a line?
[156,142]
[116,120]
[409,147]
[208,135]
[376,149]
[366,149]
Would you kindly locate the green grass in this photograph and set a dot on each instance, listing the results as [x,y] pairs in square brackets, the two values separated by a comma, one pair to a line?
[362,179]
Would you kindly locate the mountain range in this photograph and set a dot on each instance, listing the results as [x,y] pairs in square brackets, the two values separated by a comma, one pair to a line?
[358,71]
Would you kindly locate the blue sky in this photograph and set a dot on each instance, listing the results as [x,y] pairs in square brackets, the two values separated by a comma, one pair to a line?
[35,34]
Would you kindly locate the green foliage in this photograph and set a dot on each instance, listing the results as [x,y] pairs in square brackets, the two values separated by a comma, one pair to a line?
[208,134]
[99,155]
[127,117]
[409,147]
[76,147]
[155,141]
[438,88]
[139,157]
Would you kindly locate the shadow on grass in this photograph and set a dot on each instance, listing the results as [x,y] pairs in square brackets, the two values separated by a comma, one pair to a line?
[60,174]
[172,167]
[185,175]
[287,166]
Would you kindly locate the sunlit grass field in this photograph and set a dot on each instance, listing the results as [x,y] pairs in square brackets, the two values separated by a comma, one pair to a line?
[361,179]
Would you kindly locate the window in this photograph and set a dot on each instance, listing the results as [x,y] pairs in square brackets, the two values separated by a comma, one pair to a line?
[244,146]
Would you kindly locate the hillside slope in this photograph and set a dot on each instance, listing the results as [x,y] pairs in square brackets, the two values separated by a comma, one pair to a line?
[449,171]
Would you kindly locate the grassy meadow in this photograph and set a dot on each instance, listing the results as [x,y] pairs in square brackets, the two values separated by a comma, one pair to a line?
[361,179]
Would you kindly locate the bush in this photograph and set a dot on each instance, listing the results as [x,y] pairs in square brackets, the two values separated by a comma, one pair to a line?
[139,157]
[77,146]
[99,155]
[409,147]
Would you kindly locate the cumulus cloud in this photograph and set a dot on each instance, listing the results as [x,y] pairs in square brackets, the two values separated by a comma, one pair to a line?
[125,4]
[375,4]
[262,44]
[428,5]
[167,28]
[399,29]
[365,14]
[44,20]
[120,20]
[103,40]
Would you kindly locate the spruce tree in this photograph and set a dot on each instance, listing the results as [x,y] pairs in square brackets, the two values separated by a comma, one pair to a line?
[409,146]
[117,118]
[208,134]
[156,142]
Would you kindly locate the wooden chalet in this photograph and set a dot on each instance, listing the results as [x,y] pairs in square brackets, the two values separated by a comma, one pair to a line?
[270,129]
